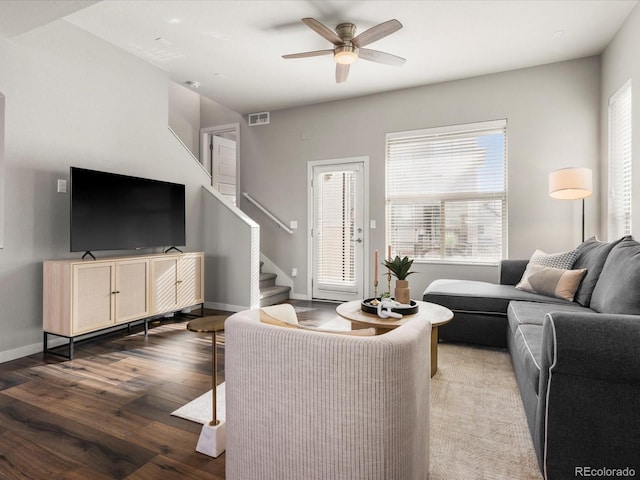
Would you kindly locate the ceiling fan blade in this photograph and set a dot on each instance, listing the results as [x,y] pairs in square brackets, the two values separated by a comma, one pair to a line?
[376,33]
[315,53]
[322,30]
[342,72]
[380,57]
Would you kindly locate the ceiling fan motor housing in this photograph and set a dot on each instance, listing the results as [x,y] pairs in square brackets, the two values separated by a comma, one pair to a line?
[346,32]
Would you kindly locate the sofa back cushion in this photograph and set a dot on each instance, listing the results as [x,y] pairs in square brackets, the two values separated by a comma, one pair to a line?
[617,288]
[592,254]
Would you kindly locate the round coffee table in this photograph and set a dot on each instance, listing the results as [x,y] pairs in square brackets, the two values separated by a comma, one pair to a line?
[435,314]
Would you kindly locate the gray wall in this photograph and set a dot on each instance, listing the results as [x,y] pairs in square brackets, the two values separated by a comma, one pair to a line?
[620,62]
[553,114]
[72,99]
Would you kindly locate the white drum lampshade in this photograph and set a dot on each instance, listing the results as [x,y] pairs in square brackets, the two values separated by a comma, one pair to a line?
[571,183]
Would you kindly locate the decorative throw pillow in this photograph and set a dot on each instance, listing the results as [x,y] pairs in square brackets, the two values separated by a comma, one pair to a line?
[564,260]
[362,332]
[284,315]
[264,318]
[552,282]
[276,314]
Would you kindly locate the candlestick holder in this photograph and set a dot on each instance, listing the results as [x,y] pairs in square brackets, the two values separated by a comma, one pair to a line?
[389,282]
[375,288]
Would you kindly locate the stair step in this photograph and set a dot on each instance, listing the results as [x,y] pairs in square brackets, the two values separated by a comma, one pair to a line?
[274,294]
[267,280]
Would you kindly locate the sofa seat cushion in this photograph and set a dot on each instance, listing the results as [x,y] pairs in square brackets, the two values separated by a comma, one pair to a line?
[530,313]
[527,346]
[481,297]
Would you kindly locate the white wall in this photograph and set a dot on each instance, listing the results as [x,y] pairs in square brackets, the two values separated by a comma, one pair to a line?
[553,122]
[184,116]
[621,62]
[72,99]
[212,114]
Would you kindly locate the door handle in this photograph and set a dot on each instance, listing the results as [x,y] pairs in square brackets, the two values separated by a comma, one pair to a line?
[359,240]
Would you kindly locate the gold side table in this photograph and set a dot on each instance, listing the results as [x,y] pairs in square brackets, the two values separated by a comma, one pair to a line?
[210,324]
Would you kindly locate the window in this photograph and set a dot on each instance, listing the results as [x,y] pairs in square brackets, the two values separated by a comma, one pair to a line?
[619,211]
[446,193]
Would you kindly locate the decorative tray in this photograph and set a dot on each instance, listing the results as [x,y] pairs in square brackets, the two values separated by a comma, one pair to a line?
[369,307]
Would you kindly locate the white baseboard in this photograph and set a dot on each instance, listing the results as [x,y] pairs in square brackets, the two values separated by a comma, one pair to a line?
[20,352]
[25,351]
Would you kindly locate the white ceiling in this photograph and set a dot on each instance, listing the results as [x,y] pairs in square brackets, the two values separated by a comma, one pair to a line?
[233,48]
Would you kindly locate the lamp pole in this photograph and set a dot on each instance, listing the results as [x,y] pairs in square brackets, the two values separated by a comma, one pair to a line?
[583,219]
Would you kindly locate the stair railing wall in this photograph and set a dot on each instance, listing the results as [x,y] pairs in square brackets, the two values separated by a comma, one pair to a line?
[189,152]
[232,254]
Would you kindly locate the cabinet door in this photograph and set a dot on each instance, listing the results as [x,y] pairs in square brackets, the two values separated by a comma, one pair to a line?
[190,288]
[132,282]
[93,296]
[164,278]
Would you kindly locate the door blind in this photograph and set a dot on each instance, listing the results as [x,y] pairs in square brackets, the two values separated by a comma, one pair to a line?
[335,249]
[619,209]
[446,193]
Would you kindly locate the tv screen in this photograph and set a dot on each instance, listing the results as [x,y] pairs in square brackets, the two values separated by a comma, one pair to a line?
[117,212]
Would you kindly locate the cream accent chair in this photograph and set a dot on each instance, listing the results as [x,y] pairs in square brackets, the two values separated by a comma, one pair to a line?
[304,405]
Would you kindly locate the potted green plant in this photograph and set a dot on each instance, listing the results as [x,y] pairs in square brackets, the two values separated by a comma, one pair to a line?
[401,269]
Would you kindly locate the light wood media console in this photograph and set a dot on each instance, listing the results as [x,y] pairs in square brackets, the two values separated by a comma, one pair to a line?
[85,296]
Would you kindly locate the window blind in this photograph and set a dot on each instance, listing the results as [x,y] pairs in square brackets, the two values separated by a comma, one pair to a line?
[446,193]
[619,209]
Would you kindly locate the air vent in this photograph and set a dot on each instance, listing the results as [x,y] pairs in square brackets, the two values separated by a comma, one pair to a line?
[261,118]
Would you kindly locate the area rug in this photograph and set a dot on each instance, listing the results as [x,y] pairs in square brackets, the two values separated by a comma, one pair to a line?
[478,426]
[200,409]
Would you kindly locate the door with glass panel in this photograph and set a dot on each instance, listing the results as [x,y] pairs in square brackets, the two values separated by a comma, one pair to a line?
[338,236]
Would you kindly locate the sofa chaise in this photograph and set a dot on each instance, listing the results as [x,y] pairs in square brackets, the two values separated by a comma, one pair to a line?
[576,359]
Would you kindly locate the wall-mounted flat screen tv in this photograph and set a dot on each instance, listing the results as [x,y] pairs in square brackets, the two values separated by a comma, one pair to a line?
[119,212]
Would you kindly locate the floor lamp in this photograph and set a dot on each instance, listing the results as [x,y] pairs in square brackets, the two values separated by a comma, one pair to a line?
[574,183]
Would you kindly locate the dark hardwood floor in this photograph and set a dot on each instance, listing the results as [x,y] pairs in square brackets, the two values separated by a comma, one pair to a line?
[106,414]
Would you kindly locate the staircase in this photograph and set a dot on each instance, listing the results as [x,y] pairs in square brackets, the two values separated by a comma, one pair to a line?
[270,293]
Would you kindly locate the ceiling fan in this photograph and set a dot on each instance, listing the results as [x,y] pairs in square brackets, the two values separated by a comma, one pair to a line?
[349,48]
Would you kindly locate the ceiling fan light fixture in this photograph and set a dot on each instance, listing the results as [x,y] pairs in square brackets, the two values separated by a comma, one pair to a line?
[345,55]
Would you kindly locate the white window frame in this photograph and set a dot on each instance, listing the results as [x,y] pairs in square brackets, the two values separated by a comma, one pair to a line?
[429,199]
[620,163]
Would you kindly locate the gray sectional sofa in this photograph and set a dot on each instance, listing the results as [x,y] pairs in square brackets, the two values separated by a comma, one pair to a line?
[577,363]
